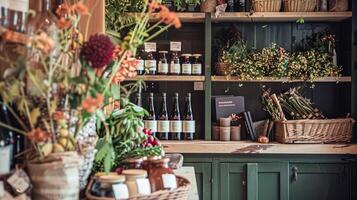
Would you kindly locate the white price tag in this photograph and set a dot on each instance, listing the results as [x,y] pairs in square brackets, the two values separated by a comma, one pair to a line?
[150,46]
[175,46]
[169,181]
[120,191]
[143,185]
[19,5]
[19,181]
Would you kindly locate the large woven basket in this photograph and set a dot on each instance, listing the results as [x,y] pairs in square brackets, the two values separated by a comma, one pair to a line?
[267,5]
[314,131]
[181,193]
[299,5]
[208,6]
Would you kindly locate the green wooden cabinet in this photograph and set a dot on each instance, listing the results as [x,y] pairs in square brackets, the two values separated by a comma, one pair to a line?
[274,177]
[319,181]
[203,173]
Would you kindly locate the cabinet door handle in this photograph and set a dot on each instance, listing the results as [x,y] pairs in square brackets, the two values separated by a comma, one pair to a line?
[294,177]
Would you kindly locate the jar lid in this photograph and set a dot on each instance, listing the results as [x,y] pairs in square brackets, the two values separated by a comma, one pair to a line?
[144,158]
[135,173]
[186,55]
[151,158]
[163,52]
[99,174]
[133,160]
[197,55]
[110,178]
[162,160]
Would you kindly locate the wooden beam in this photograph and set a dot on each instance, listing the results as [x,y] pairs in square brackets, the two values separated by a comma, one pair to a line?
[95,22]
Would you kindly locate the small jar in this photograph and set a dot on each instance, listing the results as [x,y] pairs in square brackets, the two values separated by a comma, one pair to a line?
[197,64]
[163,66]
[148,163]
[133,163]
[215,132]
[225,121]
[136,178]
[150,63]
[141,63]
[106,183]
[175,67]
[225,133]
[186,64]
[235,133]
[158,174]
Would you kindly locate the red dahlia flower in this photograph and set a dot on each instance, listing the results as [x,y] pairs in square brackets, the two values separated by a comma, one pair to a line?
[98,50]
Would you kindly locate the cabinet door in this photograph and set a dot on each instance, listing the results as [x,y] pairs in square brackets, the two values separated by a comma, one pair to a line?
[319,181]
[273,180]
[232,181]
[203,173]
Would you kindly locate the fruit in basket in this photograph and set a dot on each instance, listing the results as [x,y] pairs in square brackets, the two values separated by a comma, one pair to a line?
[46,149]
[57,148]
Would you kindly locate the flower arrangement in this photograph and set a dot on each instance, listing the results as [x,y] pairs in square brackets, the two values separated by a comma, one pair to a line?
[65,81]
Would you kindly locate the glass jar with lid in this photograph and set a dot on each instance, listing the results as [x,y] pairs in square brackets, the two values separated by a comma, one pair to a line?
[103,185]
[147,164]
[133,163]
[136,178]
[175,67]
[163,66]
[150,63]
[161,176]
[186,64]
[197,64]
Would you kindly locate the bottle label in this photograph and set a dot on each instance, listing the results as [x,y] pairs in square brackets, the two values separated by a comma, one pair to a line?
[163,126]
[175,68]
[150,46]
[151,124]
[186,68]
[150,65]
[120,191]
[19,5]
[163,67]
[197,69]
[143,186]
[175,46]
[175,126]
[140,65]
[188,126]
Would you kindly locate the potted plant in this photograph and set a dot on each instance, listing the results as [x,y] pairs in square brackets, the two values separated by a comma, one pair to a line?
[65,86]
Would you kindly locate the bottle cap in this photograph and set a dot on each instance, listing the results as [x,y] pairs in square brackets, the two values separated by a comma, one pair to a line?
[197,55]
[135,173]
[189,94]
[163,51]
[186,55]
[151,94]
[176,94]
[164,94]
[111,178]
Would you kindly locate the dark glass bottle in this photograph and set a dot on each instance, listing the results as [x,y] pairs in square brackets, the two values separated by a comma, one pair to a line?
[140,67]
[163,123]
[150,63]
[186,64]
[175,120]
[196,64]
[231,5]
[138,100]
[240,6]
[175,67]
[188,123]
[18,15]
[150,121]
[7,143]
[4,13]
[163,66]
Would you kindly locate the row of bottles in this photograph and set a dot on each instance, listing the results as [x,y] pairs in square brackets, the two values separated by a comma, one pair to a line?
[152,64]
[174,126]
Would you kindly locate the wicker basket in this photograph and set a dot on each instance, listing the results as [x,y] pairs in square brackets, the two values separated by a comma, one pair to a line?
[314,131]
[181,193]
[267,5]
[299,5]
[208,6]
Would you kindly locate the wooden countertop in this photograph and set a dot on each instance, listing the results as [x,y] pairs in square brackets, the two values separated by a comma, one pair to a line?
[245,147]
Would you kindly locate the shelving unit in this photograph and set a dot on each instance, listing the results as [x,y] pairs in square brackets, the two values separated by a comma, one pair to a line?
[168,78]
[346,79]
[185,17]
[282,16]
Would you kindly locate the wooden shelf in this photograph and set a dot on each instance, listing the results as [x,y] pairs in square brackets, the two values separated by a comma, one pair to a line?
[282,16]
[169,78]
[281,80]
[249,147]
[188,17]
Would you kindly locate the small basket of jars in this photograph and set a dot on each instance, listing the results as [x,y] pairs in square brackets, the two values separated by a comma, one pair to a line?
[140,179]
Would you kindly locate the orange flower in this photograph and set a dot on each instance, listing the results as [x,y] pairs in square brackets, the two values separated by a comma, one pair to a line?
[64,23]
[127,69]
[117,52]
[63,10]
[91,104]
[80,8]
[43,42]
[165,15]
[58,115]
[38,135]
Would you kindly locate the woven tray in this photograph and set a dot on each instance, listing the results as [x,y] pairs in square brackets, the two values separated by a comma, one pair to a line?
[314,131]
[181,193]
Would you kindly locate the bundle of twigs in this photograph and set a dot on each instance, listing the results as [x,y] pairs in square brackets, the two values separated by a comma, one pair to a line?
[291,104]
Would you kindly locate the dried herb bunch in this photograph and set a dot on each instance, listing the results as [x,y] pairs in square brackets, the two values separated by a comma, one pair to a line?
[291,104]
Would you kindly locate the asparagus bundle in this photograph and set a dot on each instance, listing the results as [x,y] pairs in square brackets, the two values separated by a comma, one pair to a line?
[290,103]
